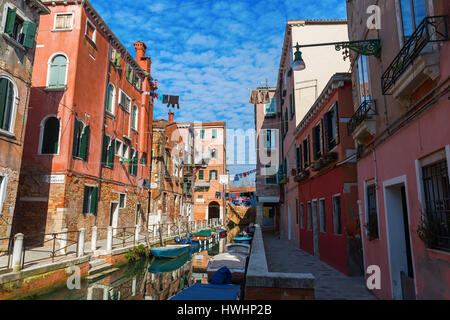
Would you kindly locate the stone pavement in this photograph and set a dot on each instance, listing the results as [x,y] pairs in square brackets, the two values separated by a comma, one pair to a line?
[330,284]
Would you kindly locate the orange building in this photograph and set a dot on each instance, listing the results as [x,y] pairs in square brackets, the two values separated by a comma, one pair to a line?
[211,161]
[89,131]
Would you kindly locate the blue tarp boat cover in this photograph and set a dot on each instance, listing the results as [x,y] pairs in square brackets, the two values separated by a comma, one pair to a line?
[222,276]
[207,291]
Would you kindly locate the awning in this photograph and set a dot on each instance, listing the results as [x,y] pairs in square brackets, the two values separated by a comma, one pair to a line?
[201,185]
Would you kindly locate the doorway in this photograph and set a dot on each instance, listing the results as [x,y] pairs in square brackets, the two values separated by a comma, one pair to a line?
[114,216]
[315,229]
[399,241]
[213,210]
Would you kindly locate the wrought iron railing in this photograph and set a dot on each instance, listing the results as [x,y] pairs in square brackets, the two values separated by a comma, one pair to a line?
[431,29]
[366,110]
[36,252]
[5,253]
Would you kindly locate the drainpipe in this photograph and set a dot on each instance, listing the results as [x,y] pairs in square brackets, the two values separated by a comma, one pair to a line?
[103,130]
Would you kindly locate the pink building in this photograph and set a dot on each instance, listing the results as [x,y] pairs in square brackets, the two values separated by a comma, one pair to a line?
[401,125]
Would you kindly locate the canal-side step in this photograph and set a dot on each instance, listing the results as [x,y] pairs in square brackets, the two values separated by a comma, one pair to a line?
[101,274]
[98,265]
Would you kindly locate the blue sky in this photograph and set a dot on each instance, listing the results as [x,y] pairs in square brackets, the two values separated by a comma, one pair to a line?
[212,52]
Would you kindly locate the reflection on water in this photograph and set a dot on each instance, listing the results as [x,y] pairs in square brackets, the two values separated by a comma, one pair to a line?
[154,279]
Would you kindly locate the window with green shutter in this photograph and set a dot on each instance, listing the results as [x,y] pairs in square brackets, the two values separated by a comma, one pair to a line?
[213,175]
[202,134]
[111,152]
[6,104]
[10,21]
[201,175]
[84,148]
[29,34]
[50,136]
[108,152]
[81,136]
[90,199]
[118,59]
[132,166]
[58,70]
[110,99]
[134,117]
[214,133]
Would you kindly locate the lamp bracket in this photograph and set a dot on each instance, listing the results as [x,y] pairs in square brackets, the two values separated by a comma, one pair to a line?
[370,47]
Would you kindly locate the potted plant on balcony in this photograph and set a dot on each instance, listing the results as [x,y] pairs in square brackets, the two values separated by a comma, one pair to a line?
[301,174]
[427,231]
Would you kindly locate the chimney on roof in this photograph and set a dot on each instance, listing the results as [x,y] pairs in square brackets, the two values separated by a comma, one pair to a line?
[171,115]
[143,61]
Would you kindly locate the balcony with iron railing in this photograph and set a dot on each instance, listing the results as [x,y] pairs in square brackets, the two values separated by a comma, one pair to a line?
[362,125]
[417,61]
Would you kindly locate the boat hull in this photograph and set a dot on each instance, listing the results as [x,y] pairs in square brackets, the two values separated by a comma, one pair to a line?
[169,251]
[245,240]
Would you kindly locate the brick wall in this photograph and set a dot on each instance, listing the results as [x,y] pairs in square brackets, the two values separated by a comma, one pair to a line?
[9,205]
[38,283]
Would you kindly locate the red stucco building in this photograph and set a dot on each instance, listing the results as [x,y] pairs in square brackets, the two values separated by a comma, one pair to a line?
[326,209]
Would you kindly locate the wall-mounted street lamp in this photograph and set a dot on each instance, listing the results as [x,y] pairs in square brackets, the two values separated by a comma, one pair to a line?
[370,47]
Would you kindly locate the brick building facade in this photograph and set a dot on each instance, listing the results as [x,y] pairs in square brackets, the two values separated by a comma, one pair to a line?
[19,22]
[168,192]
[89,131]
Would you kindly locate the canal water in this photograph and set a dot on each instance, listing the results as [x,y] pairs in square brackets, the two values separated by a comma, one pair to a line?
[146,279]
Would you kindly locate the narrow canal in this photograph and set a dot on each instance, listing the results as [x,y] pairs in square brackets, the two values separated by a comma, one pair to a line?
[146,279]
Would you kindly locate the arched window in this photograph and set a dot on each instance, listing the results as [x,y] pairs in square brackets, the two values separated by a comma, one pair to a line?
[57,72]
[111,99]
[50,136]
[134,117]
[7,104]
[80,140]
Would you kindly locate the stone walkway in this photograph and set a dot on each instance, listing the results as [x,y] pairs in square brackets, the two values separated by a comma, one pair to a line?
[282,256]
[42,255]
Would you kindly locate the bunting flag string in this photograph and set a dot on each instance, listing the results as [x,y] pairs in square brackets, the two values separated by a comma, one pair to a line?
[244,174]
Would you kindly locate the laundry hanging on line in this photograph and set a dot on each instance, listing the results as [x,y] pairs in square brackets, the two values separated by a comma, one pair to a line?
[168,99]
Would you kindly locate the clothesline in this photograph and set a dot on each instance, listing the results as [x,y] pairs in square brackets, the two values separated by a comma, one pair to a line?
[244,174]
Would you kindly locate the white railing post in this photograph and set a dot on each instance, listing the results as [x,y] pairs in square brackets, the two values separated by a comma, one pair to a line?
[109,239]
[17,252]
[81,242]
[63,241]
[168,229]
[136,234]
[94,239]
[154,232]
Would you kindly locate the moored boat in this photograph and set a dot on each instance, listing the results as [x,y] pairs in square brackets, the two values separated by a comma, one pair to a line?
[241,248]
[170,251]
[167,265]
[245,240]
[202,235]
[207,291]
[222,233]
[235,262]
